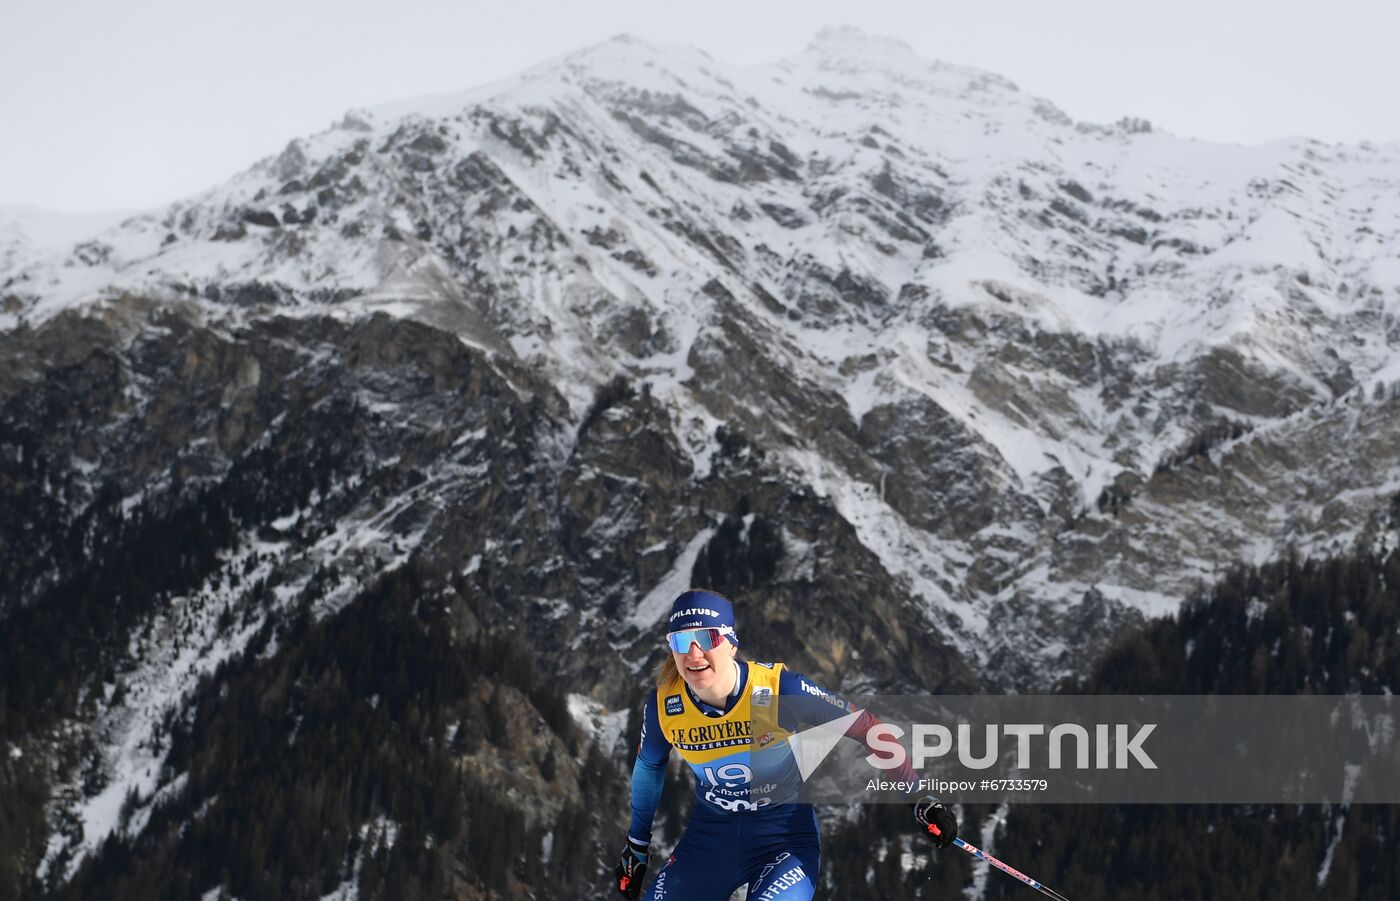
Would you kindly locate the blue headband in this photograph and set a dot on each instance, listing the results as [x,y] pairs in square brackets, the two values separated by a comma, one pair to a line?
[700,609]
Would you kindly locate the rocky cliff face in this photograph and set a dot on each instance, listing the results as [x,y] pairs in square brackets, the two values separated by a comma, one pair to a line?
[214,485]
[942,386]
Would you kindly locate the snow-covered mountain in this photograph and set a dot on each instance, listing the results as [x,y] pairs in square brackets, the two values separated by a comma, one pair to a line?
[853,320]
[29,233]
[958,313]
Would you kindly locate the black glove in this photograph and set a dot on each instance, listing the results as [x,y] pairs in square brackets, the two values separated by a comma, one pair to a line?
[938,821]
[631,870]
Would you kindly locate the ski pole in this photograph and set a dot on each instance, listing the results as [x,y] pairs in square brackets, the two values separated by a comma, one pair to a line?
[1010,871]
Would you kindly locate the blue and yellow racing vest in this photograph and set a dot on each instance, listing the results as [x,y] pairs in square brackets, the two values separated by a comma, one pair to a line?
[721,750]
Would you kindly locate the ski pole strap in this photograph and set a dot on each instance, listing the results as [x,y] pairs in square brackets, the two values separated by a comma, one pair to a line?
[921,811]
[1010,871]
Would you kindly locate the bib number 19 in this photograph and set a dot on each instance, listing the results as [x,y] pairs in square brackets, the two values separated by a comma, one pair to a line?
[731,774]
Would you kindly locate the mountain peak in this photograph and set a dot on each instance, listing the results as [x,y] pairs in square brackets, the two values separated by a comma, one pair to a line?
[850,39]
[628,49]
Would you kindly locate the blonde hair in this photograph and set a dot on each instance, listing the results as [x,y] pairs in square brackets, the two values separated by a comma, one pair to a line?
[666,671]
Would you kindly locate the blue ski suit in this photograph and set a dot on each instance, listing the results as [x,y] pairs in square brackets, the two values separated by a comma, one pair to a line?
[746,829]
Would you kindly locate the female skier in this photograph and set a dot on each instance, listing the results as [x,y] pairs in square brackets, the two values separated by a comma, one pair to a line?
[743,831]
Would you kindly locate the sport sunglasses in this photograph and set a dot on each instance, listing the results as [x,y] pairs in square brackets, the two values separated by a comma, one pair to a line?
[707,639]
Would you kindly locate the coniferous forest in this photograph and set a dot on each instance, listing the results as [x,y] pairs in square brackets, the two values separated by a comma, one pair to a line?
[1325,627]
[399,746]
[382,746]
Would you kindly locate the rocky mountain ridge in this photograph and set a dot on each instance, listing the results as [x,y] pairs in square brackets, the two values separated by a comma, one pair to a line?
[879,266]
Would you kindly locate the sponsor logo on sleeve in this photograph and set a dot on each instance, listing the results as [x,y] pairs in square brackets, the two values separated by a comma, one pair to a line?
[831,699]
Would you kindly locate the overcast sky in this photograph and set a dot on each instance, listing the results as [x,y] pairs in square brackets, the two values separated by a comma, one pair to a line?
[109,104]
